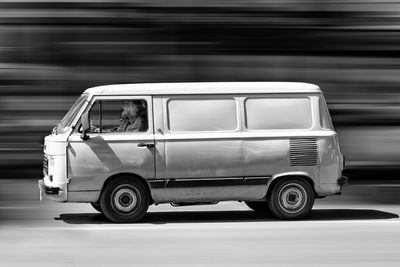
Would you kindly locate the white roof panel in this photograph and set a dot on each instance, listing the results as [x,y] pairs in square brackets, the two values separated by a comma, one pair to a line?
[204,88]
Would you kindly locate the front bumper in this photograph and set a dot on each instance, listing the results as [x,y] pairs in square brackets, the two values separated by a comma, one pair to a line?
[54,193]
[48,190]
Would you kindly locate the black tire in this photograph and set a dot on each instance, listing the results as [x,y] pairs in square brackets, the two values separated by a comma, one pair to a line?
[258,206]
[124,200]
[96,206]
[291,199]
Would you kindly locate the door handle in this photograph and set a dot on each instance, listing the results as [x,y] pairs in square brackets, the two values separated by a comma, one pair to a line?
[145,145]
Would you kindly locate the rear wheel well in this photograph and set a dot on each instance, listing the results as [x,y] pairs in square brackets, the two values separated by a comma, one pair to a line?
[132,176]
[300,177]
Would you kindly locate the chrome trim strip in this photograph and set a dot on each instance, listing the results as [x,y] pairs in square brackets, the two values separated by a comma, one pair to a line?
[208,182]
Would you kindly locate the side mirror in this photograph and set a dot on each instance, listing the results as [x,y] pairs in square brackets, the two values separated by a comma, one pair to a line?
[85,126]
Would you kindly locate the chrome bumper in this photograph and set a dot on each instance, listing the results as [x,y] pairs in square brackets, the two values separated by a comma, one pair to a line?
[48,190]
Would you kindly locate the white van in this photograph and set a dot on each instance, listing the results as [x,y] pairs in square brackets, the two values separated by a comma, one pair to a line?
[125,147]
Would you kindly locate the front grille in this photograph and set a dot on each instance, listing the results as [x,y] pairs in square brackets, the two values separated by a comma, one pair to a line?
[45,165]
[303,152]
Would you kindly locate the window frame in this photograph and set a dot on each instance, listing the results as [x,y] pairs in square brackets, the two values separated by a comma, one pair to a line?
[122,98]
[310,97]
[167,99]
[324,110]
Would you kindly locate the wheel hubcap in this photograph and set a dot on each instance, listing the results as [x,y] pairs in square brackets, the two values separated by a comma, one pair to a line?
[292,198]
[125,199]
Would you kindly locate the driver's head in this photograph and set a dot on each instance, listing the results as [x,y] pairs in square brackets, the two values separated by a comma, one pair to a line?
[129,110]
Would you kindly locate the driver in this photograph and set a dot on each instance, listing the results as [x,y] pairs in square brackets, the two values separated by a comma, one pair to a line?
[132,119]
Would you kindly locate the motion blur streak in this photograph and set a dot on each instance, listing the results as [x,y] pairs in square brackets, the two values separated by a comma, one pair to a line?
[50,51]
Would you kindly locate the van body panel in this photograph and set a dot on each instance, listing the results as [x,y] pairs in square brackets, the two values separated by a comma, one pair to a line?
[331,165]
[196,158]
[330,169]
[199,159]
[327,189]
[91,162]
[84,196]
[54,165]
[211,194]
[55,145]
[263,156]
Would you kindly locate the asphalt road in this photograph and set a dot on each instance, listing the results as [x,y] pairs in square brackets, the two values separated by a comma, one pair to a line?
[359,228]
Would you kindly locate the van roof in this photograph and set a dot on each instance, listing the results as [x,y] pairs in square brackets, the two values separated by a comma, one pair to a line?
[204,88]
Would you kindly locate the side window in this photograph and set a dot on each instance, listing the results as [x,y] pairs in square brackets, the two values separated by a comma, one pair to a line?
[202,115]
[118,116]
[94,116]
[325,118]
[278,113]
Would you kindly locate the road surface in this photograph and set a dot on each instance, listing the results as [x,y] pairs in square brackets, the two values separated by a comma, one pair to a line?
[359,228]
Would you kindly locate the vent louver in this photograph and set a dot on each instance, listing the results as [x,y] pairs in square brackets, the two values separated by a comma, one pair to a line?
[303,152]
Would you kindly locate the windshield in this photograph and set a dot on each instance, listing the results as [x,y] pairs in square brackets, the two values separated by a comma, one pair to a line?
[70,116]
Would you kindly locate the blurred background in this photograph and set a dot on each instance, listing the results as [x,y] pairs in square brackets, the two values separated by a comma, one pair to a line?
[51,51]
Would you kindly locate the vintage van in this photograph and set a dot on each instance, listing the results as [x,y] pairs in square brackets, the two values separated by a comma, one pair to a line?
[125,147]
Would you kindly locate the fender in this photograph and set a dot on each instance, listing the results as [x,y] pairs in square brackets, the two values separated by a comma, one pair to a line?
[291,174]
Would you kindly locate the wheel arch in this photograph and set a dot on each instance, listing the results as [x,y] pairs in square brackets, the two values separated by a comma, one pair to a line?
[298,175]
[132,176]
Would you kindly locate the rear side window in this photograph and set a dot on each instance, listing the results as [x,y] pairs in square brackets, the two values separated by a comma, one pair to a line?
[278,113]
[325,118]
[202,115]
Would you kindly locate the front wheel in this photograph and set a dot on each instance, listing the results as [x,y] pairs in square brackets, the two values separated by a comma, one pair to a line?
[124,200]
[291,199]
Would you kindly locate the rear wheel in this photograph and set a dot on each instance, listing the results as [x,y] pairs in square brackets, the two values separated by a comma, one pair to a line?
[124,200]
[258,206]
[291,199]
[96,206]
